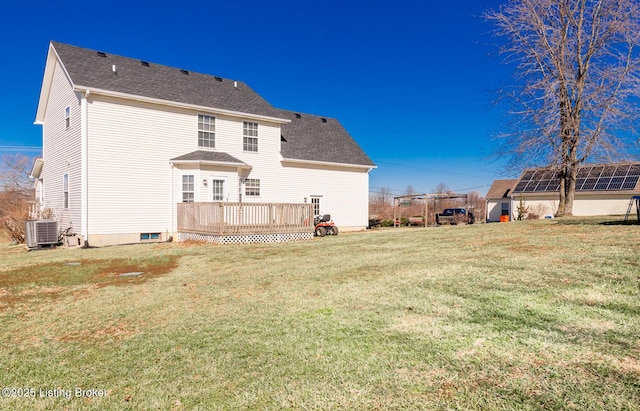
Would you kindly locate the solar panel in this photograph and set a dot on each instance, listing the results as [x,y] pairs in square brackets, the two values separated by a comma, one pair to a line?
[596,171]
[630,183]
[589,184]
[589,178]
[608,171]
[521,185]
[616,183]
[621,171]
[602,183]
[584,172]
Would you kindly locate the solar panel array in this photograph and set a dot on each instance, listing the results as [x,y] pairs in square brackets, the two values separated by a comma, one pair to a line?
[590,178]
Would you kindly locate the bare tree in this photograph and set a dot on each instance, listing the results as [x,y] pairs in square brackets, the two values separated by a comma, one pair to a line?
[16,194]
[577,73]
[381,203]
[477,204]
[442,188]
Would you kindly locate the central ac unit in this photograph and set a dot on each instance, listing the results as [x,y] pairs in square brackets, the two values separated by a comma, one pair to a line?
[41,232]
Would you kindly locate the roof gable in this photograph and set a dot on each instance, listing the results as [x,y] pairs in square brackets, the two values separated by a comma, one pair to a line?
[109,72]
[319,139]
[500,189]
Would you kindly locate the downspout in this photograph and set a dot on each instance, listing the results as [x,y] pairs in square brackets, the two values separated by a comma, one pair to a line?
[172,205]
[84,165]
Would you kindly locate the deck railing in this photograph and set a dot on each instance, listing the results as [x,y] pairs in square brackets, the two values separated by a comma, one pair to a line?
[245,218]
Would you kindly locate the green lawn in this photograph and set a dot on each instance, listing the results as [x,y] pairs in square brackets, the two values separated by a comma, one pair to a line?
[525,315]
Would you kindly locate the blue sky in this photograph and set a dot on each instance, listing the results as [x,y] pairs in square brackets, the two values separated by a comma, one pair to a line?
[412,81]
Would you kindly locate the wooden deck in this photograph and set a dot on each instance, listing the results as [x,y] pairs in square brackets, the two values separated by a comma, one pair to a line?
[245,218]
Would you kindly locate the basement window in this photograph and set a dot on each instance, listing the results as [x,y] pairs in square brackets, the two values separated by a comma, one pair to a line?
[149,236]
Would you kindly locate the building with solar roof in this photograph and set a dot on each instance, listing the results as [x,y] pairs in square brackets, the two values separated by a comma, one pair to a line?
[601,189]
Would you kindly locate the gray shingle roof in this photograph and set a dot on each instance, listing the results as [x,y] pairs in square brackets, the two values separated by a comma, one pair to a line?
[310,138]
[209,156]
[500,189]
[89,69]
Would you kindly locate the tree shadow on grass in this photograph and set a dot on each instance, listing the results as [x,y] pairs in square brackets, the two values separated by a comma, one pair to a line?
[630,222]
[605,220]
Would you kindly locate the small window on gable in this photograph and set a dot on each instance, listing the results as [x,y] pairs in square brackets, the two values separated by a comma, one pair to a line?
[206,131]
[67,117]
[249,136]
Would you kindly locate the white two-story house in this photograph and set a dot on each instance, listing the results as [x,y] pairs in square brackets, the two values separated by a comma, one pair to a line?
[125,141]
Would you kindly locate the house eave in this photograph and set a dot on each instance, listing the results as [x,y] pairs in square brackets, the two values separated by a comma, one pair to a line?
[36,169]
[242,166]
[230,113]
[327,163]
[47,79]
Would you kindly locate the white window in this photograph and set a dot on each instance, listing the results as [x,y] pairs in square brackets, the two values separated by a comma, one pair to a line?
[188,189]
[65,191]
[206,131]
[67,117]
[40,192]
[217,187]
[249,136]
[252,187]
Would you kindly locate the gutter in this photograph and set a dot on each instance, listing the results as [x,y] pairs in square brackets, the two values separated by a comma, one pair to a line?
[230,113]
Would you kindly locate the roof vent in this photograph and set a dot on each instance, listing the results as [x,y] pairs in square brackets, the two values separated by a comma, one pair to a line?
[324,120]
[218,78]
[145,63]
[102,54]
[184,72]
[235,84]
[114,69]
[298,115]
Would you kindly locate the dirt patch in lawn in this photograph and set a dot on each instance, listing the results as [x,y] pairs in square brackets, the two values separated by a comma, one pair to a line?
[55,280]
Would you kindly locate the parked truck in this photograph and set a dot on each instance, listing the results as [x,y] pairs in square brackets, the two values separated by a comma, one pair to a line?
[455,216]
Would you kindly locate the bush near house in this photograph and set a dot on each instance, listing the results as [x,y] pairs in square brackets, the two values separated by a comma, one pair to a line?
[15,197]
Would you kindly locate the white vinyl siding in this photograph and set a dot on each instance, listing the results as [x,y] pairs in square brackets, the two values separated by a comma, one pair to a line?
[61,152]
[583,204]
[345,191]
[148,203]
[129,138]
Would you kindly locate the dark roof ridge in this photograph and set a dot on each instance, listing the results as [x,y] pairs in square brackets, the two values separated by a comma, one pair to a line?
[150,62]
